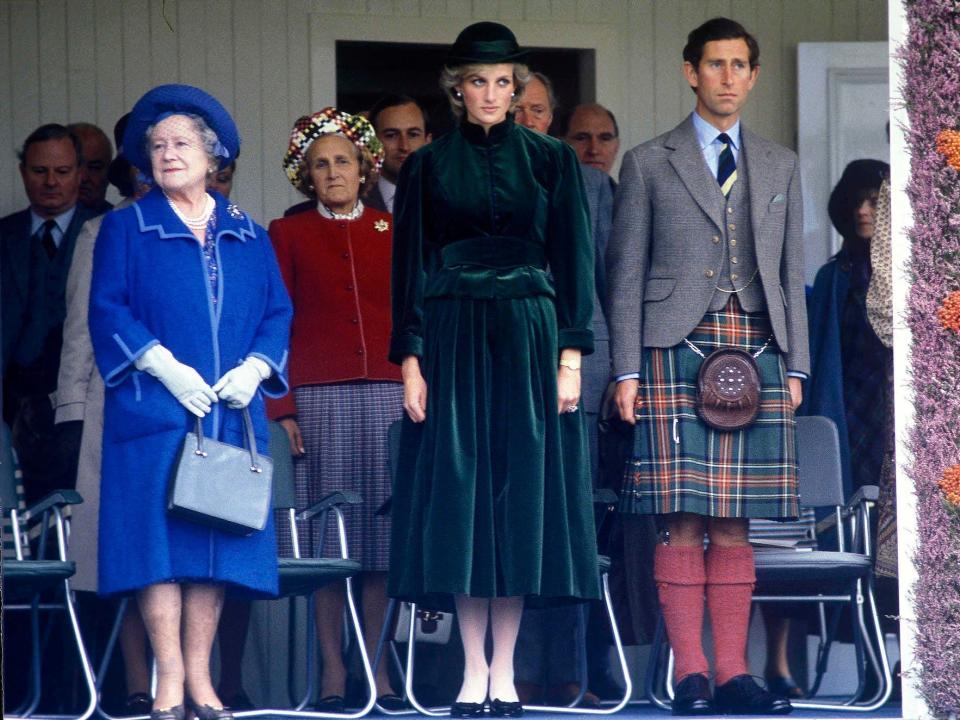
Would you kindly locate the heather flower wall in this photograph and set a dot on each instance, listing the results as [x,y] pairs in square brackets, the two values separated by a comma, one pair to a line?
[931,61]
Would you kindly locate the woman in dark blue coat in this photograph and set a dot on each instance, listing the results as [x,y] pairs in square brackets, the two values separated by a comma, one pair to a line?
[189,318]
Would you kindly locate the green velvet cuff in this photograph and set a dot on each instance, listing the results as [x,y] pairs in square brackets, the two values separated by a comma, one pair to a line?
[573,338]
[403,345]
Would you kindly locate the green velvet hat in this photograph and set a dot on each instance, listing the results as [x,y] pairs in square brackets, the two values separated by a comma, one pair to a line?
[485,43]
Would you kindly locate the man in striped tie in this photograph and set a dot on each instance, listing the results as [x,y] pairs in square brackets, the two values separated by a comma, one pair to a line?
[706,253]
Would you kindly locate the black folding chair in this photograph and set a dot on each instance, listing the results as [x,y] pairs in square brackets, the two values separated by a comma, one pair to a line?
[823,578]
[301,576]
[37,584]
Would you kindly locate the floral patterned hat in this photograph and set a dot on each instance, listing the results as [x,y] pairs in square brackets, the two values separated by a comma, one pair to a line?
[329,121]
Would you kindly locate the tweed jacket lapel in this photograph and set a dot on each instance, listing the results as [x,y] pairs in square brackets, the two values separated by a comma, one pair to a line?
[687,160]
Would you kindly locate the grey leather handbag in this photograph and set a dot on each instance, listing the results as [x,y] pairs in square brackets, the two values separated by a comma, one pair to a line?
[221,485]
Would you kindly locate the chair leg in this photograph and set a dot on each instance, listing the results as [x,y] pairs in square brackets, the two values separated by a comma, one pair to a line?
[876,651]
[108,651]
[81,654]
[362,647]
[653,681]
[385,643]
[408,683]
[624,668]
[30,702]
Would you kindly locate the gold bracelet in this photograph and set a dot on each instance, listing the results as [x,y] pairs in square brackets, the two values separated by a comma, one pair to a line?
[570,365]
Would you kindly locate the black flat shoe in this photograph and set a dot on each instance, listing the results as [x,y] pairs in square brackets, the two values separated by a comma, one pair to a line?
[330,704]
[177,712]
[466,710]
[208,712]
[692,696]
[137,704]
[783,686]
[499,708]
[389,701]
[742,696]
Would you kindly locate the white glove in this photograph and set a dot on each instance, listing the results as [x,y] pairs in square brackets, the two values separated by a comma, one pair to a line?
[238,386]
[183,382]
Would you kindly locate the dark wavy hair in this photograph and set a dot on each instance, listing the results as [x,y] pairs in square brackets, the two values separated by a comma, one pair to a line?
[719,28]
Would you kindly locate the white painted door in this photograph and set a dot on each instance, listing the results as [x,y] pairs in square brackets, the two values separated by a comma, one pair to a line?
[842,108]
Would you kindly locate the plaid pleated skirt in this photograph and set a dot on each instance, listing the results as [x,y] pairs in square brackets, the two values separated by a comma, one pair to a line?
[344,429]
[680,464]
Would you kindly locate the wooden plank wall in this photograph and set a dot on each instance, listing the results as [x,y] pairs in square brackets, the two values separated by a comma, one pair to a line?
[70,60]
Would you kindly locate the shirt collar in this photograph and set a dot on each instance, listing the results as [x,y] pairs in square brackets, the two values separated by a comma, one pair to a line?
[707,133]
[387,189]
[63,221]
[154,213]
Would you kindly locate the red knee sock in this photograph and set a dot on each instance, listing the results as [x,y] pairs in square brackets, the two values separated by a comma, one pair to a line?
[680,577]
[730,580]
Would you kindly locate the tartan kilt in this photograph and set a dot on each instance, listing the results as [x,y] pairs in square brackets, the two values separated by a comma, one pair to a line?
[680,464]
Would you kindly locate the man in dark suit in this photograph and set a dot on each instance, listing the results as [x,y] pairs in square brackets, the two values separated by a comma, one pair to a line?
[36,248]
[402,126]
[706,253]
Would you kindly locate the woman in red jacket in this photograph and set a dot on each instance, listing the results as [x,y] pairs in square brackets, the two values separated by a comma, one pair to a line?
[335,261]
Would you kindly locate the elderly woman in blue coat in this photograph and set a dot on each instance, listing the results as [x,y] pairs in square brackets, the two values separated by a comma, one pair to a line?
[189,318]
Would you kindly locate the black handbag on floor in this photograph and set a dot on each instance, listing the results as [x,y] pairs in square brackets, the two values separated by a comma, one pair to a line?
[221,485]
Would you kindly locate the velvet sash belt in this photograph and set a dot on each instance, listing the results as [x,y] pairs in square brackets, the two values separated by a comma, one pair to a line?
[490,268]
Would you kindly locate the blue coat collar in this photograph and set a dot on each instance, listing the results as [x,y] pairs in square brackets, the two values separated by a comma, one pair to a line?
[155,214]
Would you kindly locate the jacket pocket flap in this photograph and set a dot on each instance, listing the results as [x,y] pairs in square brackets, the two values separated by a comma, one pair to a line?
[658,289]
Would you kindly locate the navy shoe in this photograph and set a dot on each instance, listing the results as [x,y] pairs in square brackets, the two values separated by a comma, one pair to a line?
[742,696]
[692,696]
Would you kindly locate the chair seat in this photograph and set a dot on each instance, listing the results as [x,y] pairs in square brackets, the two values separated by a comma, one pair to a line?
[809,571]
[22,578]
[301,576]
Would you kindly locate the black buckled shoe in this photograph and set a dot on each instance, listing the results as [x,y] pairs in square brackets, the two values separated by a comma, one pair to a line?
[692,696]
[742,696]
[466,710]
[499,708]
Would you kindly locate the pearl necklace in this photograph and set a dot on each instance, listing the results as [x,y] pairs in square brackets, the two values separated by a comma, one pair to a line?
[200,221]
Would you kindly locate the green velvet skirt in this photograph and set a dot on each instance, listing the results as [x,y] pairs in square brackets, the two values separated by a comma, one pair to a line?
[492,494]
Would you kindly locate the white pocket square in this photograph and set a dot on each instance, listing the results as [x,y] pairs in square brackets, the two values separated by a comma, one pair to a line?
[778,198]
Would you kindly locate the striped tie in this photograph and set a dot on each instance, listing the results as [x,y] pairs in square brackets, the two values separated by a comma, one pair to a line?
[726,165]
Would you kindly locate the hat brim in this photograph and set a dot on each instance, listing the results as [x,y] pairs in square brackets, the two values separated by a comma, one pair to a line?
[177,99]
[481,59]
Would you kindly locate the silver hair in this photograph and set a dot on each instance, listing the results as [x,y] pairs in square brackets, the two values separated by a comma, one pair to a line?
[208,137]
[451,77]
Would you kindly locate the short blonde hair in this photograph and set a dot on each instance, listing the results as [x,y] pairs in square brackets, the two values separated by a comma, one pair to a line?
[451,77]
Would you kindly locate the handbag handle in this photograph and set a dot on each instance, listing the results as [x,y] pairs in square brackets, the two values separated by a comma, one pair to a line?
[255,465]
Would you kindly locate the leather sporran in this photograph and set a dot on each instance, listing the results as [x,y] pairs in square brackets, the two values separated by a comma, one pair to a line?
[728,389]
[221,485]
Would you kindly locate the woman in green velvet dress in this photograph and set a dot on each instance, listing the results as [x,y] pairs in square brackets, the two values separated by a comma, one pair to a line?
[492,305]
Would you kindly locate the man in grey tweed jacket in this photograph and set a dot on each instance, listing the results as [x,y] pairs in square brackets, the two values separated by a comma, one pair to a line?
[692,245]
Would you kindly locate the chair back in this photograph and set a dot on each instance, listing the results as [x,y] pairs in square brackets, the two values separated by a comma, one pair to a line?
[818,460]
[8,472]
[284,496]
[11,495]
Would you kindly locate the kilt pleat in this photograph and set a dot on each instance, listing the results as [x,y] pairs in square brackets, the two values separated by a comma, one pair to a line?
[344,429]
[680,464]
